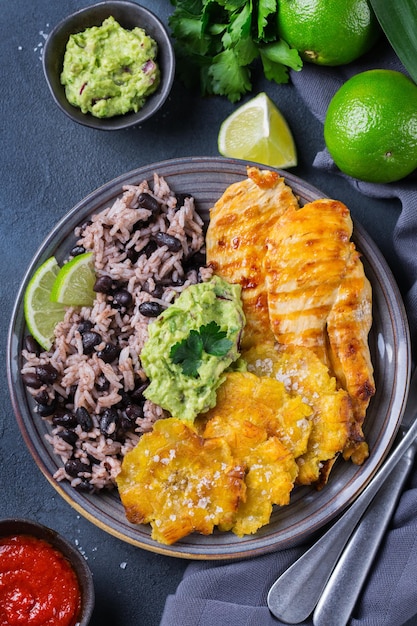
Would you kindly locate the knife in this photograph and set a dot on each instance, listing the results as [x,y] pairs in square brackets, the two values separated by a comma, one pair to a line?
[295,594]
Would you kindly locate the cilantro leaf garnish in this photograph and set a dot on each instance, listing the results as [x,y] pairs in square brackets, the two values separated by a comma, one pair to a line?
[214,340]
[216,42]
[188,353]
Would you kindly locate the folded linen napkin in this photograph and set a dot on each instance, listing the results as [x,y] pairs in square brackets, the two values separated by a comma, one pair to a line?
[234,593]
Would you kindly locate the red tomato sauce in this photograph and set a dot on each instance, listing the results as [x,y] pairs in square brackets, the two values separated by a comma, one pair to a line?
[38,586]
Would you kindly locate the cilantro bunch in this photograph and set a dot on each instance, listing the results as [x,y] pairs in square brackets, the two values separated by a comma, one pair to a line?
[217,42]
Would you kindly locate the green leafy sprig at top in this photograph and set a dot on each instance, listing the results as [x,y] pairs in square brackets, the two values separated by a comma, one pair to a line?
[217,42]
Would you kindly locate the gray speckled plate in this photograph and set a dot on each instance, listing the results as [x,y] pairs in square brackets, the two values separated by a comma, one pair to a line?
[206,179]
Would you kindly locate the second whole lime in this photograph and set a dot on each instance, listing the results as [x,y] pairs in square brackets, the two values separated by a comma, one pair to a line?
[370,128]
[328,32]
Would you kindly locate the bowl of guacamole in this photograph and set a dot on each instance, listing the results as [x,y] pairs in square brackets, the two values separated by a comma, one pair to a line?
[109,66]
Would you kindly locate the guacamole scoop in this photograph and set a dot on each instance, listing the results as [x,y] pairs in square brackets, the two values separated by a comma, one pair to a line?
[210,311]
[109,70]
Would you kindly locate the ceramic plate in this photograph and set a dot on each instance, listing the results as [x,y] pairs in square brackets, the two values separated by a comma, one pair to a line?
[206,179]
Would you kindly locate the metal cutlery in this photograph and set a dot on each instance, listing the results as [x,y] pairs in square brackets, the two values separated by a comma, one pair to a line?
[295,594]
[340,595]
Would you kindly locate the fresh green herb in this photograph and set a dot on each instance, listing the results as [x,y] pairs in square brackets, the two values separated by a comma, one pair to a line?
[217,41]
[214,340]
[189,352]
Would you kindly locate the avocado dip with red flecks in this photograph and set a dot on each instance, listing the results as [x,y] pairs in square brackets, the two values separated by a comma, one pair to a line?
[109,70]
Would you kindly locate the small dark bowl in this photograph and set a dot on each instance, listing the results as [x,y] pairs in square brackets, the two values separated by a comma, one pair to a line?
[129,15]
[10,527]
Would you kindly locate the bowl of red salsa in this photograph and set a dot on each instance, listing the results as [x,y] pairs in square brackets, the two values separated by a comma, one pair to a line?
[44,581]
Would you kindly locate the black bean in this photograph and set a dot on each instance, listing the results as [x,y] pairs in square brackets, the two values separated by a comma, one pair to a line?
[122,298]
[31,380]
[85,486]
[171,282]
[107,422]
[93,460]
[141,224]
[69,436]
[85,224]
[149,249]
[84,326]
[42,397]
[146,201]
[109,353]
[90,340]
[45,410]
[156,291]
[104,284]
[65,419]
[32,345]
[73,467]
[181,197]
[172,243]
[123,426]
[118,284]
[77,250]
[137,394]
[194,262]
[132,255]
[84,419]
[47,373]
[70,397]
[134,412]
[150,309]
[125,399]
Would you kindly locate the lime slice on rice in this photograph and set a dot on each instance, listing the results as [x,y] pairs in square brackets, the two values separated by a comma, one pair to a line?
[41,314]
[257,131]
[74,282]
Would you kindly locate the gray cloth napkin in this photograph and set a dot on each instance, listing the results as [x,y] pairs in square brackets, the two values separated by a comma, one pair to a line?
[234,593]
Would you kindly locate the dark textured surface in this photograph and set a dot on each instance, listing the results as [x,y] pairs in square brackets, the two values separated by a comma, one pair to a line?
[48,164]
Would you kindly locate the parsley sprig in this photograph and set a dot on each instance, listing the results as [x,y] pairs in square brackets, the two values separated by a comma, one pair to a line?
[217,41]
[188,353]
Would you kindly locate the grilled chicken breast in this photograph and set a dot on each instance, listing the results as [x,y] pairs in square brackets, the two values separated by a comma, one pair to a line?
[236,242]
[348,327]
[308,252]
[319,298]
[303,283]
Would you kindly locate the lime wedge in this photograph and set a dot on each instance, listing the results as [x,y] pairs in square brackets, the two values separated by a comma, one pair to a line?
[257,131]
[74,283]
[41,314]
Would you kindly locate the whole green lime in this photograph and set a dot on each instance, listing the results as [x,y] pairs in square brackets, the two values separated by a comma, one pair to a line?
[328,32]
[370,128]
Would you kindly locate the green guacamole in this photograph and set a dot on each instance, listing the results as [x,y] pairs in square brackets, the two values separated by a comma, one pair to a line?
[108,70]
[184,396]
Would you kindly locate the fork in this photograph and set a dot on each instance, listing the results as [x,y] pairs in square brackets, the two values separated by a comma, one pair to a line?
[342,590]
[295,594]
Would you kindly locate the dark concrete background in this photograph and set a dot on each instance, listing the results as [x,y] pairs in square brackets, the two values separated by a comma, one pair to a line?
[48,164]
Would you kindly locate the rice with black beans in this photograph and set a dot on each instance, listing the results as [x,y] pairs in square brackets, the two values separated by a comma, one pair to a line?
[95,403]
